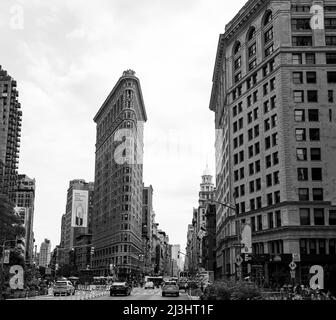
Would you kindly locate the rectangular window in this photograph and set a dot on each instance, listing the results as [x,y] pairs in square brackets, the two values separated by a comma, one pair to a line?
[301,24]
[266,106]
[241,139]
[314,134]
[301,154]
[252,204]
[252,50]
[237,63]
[313,115]
[238,76]
[298,96]
[332,217]
[251,169]
[275,158]
[241,156]
[315,154]
[321,244]
[331,77]
[250,151]
[311,77]
[268,35]
[258,184]
[330,40]
[255,113]
[297,77]
[300,134]
[253,225]
[269,180]
[332,246]
[302,174]
[319,217]
[276,177]
[274,120]
[303,194]
[276,196]
[299,115]
[250,134]
[274,139]
[312,246]
[257,166]
[312,96]
[272,84]
[297,58]
[303,246]
[259,218]
[278,218]
[255,96]
[330,96]
[251,186]
[270,220]
[257,148]
[258,202]
[267,142]
[269,50]
[310,58]
[331,57]
[256,131]
[317,194]
[269,199]
[252,64]
[316,174]
[330,23]
[268,161]
[265,88]
[302,41]
[267,125]
[305,217]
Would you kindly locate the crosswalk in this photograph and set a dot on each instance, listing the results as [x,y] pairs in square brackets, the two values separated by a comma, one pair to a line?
[149,292]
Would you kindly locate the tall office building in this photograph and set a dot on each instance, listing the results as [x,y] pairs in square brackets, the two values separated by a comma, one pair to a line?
[273,95]
[10,133]
[44,256]
[117,217]
[69,233]
[24,201]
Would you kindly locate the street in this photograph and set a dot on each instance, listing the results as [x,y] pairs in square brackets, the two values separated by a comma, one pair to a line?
[137,294]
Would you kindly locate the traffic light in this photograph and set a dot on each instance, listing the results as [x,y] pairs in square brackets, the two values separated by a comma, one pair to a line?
[92,251]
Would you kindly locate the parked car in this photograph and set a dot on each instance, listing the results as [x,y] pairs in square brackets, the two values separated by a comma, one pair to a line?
[63,287]
[120,288]
[149,285]
[170,288]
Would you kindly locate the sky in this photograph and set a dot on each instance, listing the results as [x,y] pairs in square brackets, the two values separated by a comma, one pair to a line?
[67,56]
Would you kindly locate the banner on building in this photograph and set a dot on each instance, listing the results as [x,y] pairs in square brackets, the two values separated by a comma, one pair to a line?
[23,213]
[246,239]
[80,200]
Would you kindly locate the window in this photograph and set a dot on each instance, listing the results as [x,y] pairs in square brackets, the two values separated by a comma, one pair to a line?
[297,77]
[303,246]
[315,154]
[242,190]
[274,120]
[253,225]
[332,246]
[331,76]
[316,174]
[269,50]
[299,115]
[312,246]
[234,111]
[310,58]
[321,244]
[269,180]
[252,204]
[238,76]
[330,96]
[331,57]
[249,117]
[259,219]
[330,8]
[241,171]
[235,126]
[268,17]
[319,217]
[241,139]
[332,217]
[258,184]
[272,84]
[257,148]
[241,156]
[257,166]
[303,194]
[237,63]
[302,41]
[251,34]
[250,134]
[265,88]
[251,169]
[300,134]
[314,134]
[330,40]
[276,196]
[273,102]
[266,106]
[268,35]
[269,199]
[301,24]
[251,186]
[275,139]
[256,130]
[330,23]
[297,58]
[311,77]
[312,95]
[250,151]
[302,174]
[270,220]
[301,154]
[267,142]
[255,96]
[317,194]
[240,123]
[268,161]
[298,96]
[235,158]
[252,50]
[278,218]
[253,64]
[313,115]
[237,47]
[304,217]
[267,125]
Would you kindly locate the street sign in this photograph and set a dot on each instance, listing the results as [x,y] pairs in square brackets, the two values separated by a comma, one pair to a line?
[292,273]
[6,256]
[239,260]
[296,257]
[292,265]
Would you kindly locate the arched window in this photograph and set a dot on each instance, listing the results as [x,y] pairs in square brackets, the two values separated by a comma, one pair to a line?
[236,47]
[251,33]
[268,17]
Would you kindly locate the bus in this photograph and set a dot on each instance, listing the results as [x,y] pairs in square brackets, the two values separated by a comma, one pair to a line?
[157,280]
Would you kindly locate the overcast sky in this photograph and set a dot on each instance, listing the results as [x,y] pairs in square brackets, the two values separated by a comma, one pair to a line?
[66,57]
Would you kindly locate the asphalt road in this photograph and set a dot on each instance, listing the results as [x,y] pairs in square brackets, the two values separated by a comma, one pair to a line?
[145,294]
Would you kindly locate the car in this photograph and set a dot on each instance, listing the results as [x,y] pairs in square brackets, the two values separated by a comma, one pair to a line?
[183,285]
[120,288]
[63,287]
[149,285]
[170,288]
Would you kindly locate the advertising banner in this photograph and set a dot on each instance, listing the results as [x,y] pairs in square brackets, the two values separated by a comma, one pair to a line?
[80,200]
